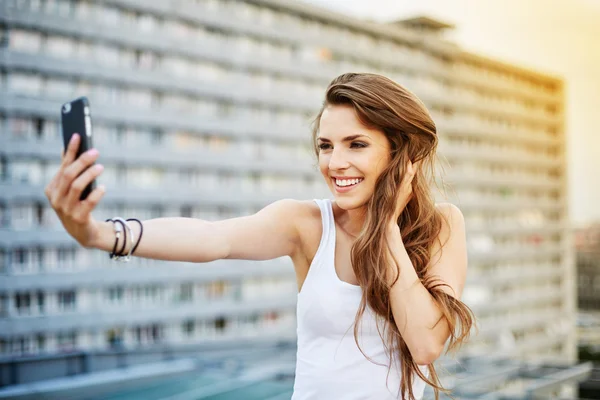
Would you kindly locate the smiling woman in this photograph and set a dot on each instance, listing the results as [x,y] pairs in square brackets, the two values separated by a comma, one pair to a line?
[358,159]
[370,260]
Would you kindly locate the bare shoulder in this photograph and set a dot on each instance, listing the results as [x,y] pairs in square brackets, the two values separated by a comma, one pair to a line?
[308,219]
[297,211]
[451,212]
[453,222]
[304,216]
[449,258]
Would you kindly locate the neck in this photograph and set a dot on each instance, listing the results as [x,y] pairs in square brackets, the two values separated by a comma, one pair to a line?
[352,221]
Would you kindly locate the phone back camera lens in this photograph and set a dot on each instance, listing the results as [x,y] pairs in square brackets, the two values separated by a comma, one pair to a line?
[66,108]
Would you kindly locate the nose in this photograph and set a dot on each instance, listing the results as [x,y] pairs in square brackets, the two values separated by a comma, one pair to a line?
[337,161]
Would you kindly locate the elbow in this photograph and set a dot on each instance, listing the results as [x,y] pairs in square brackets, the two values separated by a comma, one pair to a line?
[428,355]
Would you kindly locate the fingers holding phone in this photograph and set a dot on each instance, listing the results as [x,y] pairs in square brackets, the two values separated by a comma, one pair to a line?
[77,175]
[73,193]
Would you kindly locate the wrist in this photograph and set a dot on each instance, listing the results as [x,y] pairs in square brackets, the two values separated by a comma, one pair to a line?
[104,237]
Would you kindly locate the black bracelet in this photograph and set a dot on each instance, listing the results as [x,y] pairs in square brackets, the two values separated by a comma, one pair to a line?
[122,251]
[140,235]
[118,231]
[114,253]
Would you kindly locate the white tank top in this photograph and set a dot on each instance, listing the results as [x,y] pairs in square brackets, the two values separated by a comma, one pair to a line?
[329,365]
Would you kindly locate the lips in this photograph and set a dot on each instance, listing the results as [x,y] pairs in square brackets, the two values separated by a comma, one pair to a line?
[346,181]
[347,187]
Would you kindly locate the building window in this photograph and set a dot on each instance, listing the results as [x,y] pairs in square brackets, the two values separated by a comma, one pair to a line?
[22,217]
[114,337]
[216,290]
[25,41]
[220,324]
[22,345]
[40,341]
[4,309]
[3,169]
[23,260]
[66,341]
[186,211]
[40,301]
[23,303]
[67,300]
[188,327]
[66,257]
[4,221]
[115,294]
[148,334]
[186,292]
[2,261]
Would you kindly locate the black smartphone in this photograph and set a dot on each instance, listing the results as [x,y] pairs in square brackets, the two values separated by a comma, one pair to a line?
[76,118]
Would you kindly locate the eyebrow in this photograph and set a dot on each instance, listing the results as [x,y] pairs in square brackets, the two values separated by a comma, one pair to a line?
[346,139]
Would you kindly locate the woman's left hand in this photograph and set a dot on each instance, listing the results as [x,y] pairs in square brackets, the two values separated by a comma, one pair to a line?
[405,193]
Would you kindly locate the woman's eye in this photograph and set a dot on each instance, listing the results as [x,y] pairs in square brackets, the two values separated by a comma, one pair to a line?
[323,146]
[358,145]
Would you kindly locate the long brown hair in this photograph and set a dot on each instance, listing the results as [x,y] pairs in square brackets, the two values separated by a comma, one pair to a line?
[383,104]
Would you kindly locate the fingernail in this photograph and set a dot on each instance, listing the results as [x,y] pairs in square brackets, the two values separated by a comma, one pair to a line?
[93,152]
[75,136]
[99,167]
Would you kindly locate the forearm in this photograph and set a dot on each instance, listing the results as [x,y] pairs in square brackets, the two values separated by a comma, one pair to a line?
[174,239]
[415,312]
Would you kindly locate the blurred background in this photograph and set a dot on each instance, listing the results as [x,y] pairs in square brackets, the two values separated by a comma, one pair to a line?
[201,108]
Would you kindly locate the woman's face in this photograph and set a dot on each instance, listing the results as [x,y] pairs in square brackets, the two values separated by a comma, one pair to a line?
[351,156]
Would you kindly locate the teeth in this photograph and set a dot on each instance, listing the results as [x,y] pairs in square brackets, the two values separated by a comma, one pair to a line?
[347,182]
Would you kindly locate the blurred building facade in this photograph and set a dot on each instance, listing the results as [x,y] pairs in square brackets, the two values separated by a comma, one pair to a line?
[201,109]
[587,247]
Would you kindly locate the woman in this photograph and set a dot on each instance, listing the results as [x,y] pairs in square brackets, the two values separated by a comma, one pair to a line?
[380,269]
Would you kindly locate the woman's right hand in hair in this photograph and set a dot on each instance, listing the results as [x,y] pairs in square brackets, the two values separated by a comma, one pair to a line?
[66,187]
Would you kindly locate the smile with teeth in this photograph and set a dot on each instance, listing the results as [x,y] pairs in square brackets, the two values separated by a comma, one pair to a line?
[347,182]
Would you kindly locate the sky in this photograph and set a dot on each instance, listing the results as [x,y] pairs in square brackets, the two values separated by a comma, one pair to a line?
[559,37]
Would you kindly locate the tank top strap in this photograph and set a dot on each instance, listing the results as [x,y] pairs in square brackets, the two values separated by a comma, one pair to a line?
[325,252]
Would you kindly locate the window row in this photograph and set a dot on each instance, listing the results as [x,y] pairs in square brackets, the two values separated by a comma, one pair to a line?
[507,339]
[503,102]
[512,195]
[491,271]
[477,169]
[248,13]
[134,98]
[38,303]
[528,217]
[33,216]
[33,84]
[495,123]
[24,260]
[244,14]
[185,68]
[140,296]
[487,243]
[507,77]
[522,316]
[183,332]
[515,149]
[41,172]
[36,128]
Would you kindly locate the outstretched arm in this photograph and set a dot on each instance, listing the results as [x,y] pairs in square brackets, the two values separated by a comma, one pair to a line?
[270,233]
